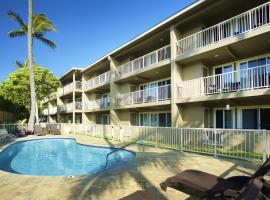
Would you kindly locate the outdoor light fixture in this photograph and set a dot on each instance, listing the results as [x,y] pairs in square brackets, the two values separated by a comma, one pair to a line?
[216,56]
[228,107]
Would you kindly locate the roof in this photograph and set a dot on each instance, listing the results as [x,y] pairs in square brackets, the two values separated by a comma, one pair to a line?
[69,71]
[162,23]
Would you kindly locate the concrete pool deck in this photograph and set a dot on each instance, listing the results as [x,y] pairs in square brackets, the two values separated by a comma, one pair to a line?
[151,166]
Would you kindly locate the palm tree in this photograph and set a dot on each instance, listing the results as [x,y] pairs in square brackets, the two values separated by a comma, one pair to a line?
[37,26]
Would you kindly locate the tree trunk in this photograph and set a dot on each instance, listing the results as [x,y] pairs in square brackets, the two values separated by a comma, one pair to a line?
[31,120]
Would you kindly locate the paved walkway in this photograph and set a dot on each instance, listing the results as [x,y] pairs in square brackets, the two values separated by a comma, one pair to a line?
[151,166]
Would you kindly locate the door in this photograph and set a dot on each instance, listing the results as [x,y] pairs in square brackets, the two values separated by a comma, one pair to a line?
[265,118]
[154,119]
[250,118]
[219,119]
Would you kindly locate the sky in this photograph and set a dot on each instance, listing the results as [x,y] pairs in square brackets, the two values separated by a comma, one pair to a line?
[86,29]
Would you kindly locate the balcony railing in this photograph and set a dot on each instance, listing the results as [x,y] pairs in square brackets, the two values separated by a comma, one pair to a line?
[65,108]
[155,94]
[69,88]
[50,97]
[52,110]
[45,111]
[78,105]
[145,61]
[97,80]
[246,79]
[245,22]
[102,103]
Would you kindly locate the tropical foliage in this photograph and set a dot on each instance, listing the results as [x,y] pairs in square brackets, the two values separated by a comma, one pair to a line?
[16,88]
[40,26]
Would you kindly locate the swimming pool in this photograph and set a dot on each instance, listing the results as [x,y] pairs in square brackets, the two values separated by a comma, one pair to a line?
[59,157]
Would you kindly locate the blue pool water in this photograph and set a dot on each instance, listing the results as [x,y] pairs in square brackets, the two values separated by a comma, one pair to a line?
[59,157]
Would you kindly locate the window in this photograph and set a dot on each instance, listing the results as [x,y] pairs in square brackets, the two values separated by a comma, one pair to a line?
[224,119]
[156,91]
[155,119]
[254,73]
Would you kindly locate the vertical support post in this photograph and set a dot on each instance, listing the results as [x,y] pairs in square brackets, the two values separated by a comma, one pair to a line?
[215,142]
[156,137]
[73,100]
[264,145]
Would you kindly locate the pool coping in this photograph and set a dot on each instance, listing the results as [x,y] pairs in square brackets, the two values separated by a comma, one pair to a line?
[20,140]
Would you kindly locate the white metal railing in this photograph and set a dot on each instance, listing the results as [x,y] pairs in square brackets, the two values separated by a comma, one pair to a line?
[154,57]
[236,143]
[246,79]
[45,111]
[160,93]
[69,88]
[65,108]
[97,80]
[51,110]
[242,23]
[78,105]
[50,97]
[102,103]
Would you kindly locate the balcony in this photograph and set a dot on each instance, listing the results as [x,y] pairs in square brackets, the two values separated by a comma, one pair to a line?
[156,94]
[66,108]
[242,23]
[69,88]
[103,103]
[97,81]
[143,62]
[241,80]
[51,97]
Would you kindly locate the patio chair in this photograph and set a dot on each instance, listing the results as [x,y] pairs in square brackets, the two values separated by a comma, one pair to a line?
[38,131]
[253,189]
[5,136]
[205,184]
[53,129]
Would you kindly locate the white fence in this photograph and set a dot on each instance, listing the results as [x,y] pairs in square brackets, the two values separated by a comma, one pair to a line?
[155,94]
[98,104]
[246,79]
[237,25]
[235,143]
[97,80]
[154,57]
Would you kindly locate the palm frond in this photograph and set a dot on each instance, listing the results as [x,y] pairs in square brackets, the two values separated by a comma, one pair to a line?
[42,24]
[44,40]
[16,17]
[19,64]
[16,33]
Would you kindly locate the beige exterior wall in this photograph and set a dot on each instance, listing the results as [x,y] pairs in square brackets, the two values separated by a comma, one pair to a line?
[185,112]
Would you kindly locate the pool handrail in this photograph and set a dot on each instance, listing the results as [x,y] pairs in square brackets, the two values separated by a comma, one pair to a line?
[120,148]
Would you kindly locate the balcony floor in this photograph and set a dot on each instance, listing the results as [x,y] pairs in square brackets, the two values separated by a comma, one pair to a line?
[146,172]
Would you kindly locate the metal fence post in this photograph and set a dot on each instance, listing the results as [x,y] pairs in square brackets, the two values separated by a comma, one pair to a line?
[156,138]
[181,139]
[215,143]
[264,145]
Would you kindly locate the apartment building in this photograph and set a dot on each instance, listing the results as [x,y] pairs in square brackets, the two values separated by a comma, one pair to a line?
[206,66]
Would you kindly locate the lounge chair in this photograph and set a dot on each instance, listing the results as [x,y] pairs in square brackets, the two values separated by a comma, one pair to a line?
[38,131]
[252,190]
[205,184]
[53,129]
[5,136]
